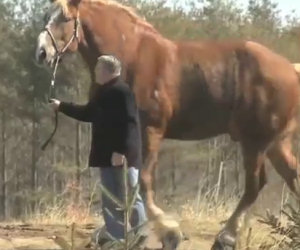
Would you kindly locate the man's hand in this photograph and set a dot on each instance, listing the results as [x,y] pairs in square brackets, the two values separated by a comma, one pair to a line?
[54,104]
[117,159]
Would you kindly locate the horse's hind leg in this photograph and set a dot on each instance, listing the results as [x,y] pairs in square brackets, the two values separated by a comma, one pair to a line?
[285,163]
[255,180]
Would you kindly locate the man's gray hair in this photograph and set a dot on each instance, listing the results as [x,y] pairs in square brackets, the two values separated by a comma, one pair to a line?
[111,63]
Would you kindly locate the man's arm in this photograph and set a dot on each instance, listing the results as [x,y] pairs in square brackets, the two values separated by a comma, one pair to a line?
[85,113]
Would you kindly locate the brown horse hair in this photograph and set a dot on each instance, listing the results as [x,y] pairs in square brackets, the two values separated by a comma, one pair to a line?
[192,90]
[64,4]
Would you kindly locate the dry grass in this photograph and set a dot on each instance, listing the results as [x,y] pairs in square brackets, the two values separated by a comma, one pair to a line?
[62,215]
[204,222]
[200,220]
[66,209]
[200,226]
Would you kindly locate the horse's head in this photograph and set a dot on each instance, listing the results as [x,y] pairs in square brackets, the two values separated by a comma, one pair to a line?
[61,33]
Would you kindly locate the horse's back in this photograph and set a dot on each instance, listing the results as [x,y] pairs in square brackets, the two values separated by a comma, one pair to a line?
[256,88]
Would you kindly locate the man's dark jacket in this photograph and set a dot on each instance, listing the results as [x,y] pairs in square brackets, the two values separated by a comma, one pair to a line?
[115,123]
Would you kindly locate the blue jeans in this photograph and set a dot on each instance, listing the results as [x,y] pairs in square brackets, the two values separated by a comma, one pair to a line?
[112,180]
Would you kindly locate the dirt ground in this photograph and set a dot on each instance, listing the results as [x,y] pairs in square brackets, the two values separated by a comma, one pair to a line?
[26,236]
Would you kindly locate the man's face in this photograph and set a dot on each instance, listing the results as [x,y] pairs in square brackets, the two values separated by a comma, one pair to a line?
[102,75]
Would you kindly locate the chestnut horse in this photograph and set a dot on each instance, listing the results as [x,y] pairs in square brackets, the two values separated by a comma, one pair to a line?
[189,91]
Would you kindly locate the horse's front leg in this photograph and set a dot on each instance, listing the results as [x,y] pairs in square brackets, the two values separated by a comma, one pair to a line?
[166,229]
[153,141]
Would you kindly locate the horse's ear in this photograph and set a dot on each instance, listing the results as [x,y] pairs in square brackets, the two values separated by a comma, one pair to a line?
[74,2]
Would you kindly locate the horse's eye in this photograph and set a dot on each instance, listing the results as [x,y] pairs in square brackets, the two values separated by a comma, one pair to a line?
[67,18]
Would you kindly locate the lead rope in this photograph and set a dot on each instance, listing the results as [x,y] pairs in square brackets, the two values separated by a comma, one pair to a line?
[52,95]
[52,85]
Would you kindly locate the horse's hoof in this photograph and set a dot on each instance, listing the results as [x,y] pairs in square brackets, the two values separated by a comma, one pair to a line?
[224,241]
[168,232]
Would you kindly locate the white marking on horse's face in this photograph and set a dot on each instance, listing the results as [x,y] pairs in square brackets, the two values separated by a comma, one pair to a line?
[45,51]
[58,24]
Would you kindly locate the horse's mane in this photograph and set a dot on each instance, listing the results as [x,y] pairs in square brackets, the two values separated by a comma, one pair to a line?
[64,4]
[128,10]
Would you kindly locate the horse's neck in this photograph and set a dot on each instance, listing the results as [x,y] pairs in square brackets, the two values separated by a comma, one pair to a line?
[108,31]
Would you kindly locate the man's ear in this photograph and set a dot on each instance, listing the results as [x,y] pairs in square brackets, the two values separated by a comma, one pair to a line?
[74,2]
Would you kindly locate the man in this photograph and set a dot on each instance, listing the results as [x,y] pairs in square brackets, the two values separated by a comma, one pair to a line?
[115,136]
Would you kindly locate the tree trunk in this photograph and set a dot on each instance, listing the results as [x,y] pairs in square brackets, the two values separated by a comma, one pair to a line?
[78,161]
[54,176]
[173,174]
[208,168]
[237,172]
[33,180]
[3,166]
[18,211]
[77,154]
